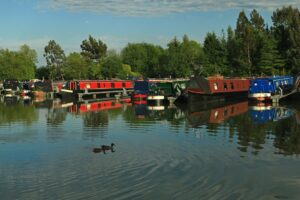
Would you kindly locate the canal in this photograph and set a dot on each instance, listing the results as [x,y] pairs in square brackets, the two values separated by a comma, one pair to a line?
[198,151]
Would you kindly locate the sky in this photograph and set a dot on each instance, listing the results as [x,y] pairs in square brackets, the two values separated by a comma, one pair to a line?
[119,22]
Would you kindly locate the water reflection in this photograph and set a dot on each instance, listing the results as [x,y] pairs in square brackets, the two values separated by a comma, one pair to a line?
[214,113]
[222,150]
[262,113]
[13,110]
[252,125]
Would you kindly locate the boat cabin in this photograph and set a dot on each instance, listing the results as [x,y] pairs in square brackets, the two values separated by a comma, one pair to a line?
[12,84]
[94,85]
[271,85]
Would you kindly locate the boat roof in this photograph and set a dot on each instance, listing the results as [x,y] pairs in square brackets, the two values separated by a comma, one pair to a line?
[274,78]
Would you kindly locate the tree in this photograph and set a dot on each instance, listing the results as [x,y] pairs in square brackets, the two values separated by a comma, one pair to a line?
[42,73]
[216,53]
[245,32]
[257,20]
[143,58]
[184,58]
[111,66]
[94,50]
[55,58]
[29,53]
[270,62]
[286,28]
[17,64]
[75,66]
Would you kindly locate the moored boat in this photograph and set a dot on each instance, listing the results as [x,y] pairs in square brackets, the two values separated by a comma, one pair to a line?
[217,88]
[263,89]
[80,88]
[158,89]
[11,87]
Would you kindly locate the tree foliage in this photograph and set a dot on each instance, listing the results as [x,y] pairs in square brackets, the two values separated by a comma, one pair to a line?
[55,58]
[18,64]
[286,30]
[75,66]
[250,48]
[93,49]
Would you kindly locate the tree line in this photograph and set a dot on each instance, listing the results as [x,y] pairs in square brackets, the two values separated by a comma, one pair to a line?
[251,48]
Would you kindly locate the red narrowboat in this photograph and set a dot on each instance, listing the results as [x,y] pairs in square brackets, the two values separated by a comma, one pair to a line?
[80,88]
[217,88]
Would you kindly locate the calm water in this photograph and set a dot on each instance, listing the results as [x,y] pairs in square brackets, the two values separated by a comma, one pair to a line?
[200,151]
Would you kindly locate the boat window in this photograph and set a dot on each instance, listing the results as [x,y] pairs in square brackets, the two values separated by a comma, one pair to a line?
[225,86]
[216,86]
[113,85]
[231,85]
[216,114]
[88,86]
[124,85]
[99,85]
[270,82]
[277,84]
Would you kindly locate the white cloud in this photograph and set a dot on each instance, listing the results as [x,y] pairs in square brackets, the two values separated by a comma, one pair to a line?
[162,7]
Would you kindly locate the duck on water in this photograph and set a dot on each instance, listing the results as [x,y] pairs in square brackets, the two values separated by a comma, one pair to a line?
[104,148]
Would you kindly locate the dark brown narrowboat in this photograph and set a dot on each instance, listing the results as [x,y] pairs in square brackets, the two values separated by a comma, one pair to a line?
[217,88]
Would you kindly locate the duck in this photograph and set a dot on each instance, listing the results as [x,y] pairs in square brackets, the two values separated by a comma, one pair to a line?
[104,148]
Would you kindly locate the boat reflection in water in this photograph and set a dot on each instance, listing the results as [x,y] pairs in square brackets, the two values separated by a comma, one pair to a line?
[160,112]
[262,113]
[97,105]
[214,113]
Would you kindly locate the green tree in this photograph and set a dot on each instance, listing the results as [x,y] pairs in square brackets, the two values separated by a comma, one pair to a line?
[29,53]
[17,64]
[143,58]
[42,73]
[95,71]
[94,50]
[257,20]
[111,66]
[245,32]
[75,66]
[55,58]
[183,58]
[270,61]
[216,53]
[286,29]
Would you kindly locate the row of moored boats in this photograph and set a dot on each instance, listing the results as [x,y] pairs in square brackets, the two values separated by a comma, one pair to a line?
[197,88]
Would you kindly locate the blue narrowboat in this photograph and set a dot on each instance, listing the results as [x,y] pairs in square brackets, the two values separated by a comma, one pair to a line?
[262,89]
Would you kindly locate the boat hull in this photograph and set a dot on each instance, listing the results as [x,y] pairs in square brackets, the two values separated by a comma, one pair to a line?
[217,97]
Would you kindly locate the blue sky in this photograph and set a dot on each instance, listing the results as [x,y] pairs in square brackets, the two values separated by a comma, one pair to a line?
[118,22]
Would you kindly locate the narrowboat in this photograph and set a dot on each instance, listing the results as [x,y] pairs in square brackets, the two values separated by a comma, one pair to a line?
[158,89]
[263,89]
[217,88]
[11,86]
[105,88]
